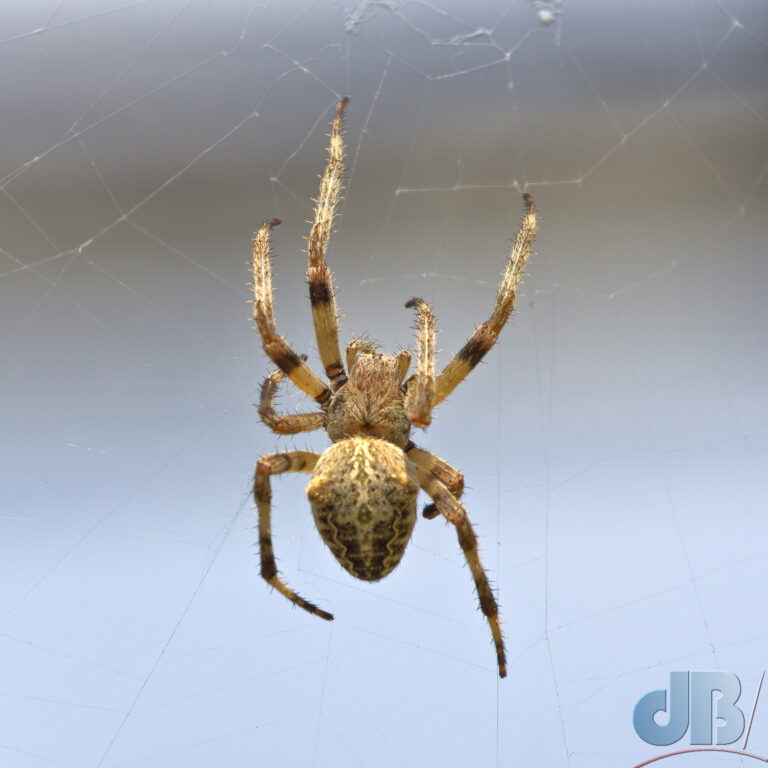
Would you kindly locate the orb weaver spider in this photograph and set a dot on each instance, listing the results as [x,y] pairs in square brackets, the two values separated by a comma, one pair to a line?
[363,488]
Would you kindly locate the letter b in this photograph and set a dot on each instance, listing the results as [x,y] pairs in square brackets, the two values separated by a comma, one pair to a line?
[703,685]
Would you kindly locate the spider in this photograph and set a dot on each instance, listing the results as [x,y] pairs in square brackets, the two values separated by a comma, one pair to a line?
[363,488]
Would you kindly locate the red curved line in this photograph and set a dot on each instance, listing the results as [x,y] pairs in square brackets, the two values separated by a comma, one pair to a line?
[703,749]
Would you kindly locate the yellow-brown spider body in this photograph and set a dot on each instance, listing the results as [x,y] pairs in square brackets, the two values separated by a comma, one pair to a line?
[363,490]
[363,494]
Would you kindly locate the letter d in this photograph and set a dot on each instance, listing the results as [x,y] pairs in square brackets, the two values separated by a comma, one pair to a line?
[656,701]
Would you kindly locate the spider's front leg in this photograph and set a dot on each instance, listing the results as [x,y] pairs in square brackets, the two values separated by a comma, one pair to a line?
[276,464]
[486,335]
[449,506]
[319,277]
[263,313]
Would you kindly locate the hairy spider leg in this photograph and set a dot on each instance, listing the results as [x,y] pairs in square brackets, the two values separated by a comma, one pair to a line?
[442,470]
[485,336]
[276,464]
[263,313]
[421,387]
[319,277]
[281,423]
[454,512]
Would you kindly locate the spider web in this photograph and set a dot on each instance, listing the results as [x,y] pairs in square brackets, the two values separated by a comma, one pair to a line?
[615,444]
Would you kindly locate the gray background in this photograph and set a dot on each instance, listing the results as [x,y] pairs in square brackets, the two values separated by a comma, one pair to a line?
[615,444]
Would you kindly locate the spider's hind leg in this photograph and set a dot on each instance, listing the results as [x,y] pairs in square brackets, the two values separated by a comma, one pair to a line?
[276,464]
[454,512]
[442,470]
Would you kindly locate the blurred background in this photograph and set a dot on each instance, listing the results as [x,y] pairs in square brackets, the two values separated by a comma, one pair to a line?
[615,444]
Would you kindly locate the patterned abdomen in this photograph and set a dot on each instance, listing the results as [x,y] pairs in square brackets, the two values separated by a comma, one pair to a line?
[363,496]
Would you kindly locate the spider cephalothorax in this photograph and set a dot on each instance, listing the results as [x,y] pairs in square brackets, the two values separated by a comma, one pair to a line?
[363,490]
[371,402]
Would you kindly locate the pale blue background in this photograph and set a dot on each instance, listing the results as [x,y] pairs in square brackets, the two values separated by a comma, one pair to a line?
[615,445]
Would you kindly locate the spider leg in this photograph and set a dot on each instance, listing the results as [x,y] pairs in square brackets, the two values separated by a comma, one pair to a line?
[263,313]
[485,336]
[285,424]
[442,470]
[454,512]
[420,397]
[319,277]
[276,464]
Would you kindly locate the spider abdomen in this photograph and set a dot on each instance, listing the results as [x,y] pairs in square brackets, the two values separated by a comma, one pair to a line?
[363,495]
